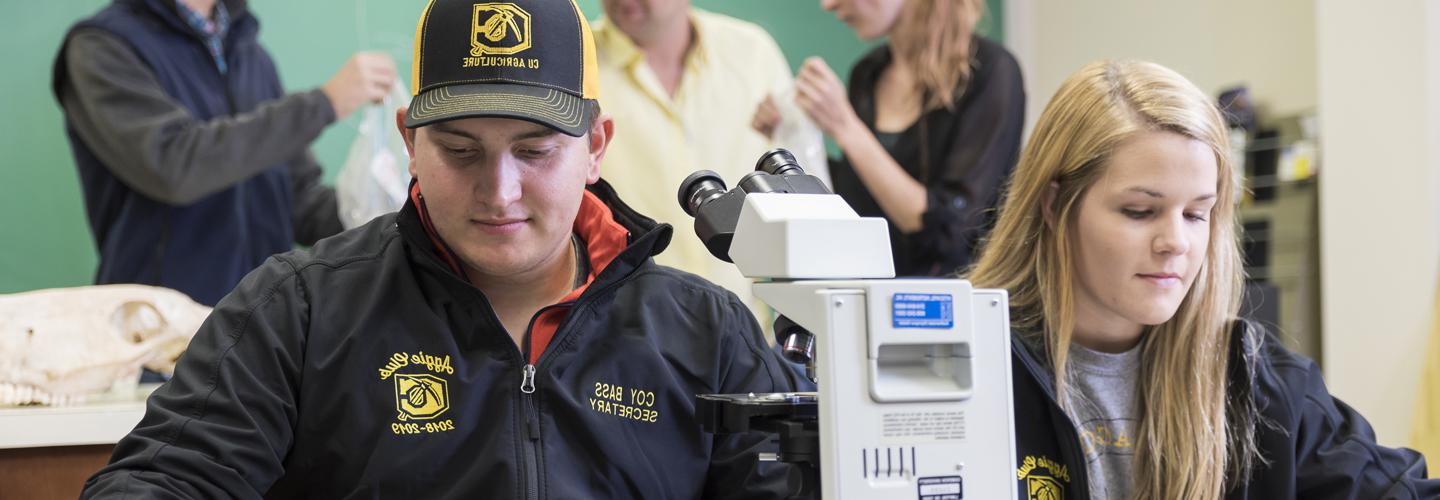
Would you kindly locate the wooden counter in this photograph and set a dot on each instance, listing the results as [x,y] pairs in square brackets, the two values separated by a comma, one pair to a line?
[49,452]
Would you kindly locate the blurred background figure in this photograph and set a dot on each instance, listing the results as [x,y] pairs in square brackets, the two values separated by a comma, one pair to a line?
[194,164]
[682,83]
[929,130]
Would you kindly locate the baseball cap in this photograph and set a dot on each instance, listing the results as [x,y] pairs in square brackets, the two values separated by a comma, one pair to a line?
[526,59]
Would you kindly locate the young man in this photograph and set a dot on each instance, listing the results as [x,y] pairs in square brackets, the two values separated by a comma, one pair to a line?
[505,335]
[194,164]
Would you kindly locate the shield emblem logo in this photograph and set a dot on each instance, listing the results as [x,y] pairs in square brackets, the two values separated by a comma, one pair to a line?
[420,396]
[1044,488]
[499,29]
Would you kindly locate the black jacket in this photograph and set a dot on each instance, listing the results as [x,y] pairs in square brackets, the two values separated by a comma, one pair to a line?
[1317,447]
[366,368]
[962,157]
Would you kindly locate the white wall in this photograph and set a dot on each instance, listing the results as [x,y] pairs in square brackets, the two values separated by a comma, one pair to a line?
[1269,45]
[1380,201]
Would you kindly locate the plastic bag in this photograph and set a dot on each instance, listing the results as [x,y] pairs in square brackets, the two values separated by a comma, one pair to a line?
[798,134]
[376,177]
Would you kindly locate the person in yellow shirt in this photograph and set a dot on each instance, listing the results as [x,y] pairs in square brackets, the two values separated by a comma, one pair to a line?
[684,84]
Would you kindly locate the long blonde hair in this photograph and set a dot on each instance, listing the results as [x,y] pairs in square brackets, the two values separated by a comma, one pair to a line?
[1188,440]
[932,38]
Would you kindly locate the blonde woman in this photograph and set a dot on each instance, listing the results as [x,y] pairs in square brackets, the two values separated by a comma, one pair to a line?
[930,127]
[1133,377]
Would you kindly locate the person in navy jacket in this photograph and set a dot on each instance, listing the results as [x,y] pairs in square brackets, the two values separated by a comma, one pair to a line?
[194,162]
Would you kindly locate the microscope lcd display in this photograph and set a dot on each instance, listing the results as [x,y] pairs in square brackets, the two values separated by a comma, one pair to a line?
[911,310]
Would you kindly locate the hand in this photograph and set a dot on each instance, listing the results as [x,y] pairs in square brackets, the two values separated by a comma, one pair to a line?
[767,117]
[822,97]
[366,77]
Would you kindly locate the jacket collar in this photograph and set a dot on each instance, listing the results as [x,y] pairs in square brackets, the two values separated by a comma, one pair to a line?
[618,239]
[1034,363]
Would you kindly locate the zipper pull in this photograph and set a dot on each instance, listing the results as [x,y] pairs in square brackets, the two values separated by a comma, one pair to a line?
[533,426]
[527,380]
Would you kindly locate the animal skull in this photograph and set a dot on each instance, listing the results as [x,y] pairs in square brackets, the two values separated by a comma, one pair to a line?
[61,345]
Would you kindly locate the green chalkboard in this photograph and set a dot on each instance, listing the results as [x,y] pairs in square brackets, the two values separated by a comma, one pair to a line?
[44,239]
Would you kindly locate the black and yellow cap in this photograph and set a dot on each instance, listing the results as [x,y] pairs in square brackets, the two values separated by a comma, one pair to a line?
[526,59]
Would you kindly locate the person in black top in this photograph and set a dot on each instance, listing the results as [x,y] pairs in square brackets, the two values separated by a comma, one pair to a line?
[930,129]
[1133,375]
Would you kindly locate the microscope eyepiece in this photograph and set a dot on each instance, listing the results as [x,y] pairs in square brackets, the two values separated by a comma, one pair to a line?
[716,210]
[799,347]
[698,189]
[779,161]
[796,343]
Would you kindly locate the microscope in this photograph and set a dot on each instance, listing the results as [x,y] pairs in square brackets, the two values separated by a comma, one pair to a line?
[914,396]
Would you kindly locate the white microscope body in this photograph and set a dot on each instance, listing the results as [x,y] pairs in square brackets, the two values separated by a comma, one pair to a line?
[914,395]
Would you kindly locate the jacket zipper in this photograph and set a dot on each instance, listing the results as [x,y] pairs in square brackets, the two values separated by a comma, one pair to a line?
[531,412]
[1068,431]
[532,433]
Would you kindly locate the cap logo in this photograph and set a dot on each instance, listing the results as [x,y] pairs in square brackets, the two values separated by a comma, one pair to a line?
[499,29]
